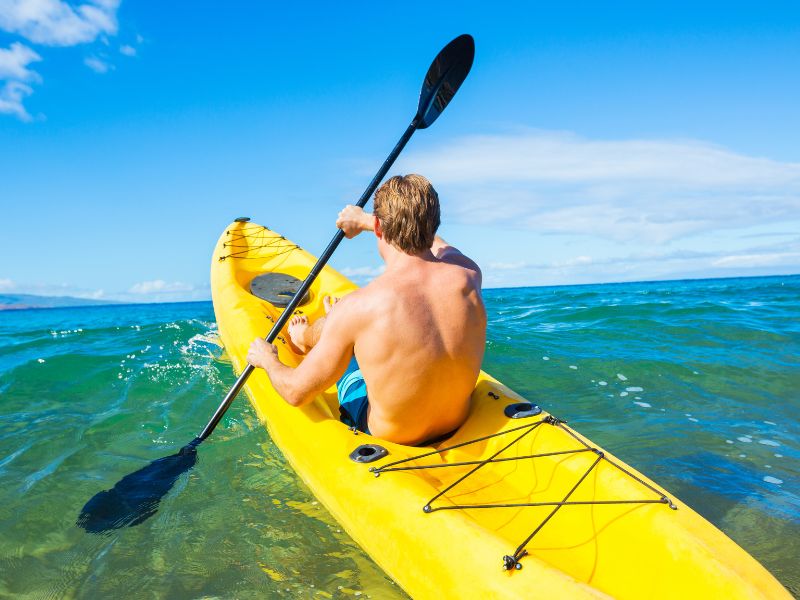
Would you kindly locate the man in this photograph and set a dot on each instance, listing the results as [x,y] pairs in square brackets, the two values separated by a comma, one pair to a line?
[418,330]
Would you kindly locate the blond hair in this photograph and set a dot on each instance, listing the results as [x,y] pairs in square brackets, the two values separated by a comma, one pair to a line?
[408,208]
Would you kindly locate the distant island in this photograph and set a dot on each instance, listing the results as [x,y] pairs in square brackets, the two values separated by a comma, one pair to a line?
[23,301]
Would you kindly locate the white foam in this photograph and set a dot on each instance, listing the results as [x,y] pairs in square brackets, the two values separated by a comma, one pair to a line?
[602,383]
[40,360]
[693,420]
[771,479]
[769,423]
[778,455]
[545,358]
[743,456]
[695,372]
[769,442]
[643,404]
[573,367]
[634,389]
[745,439]
[621,377]
[623,394]
[728,441]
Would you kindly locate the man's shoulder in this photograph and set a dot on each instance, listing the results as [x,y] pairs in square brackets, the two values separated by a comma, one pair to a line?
[462,264]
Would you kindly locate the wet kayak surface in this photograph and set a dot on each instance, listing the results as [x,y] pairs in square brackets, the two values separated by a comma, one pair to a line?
[693,383]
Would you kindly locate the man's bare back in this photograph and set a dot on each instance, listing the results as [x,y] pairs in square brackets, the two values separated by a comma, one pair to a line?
[418,332]
[420,347]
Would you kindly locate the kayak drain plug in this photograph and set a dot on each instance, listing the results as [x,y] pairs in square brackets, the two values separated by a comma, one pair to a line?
[522,410]
[367,453]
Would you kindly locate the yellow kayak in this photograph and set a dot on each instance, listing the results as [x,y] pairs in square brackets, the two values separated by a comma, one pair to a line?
[515,504]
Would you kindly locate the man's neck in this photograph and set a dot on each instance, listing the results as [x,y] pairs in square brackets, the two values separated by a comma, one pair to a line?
[398,260]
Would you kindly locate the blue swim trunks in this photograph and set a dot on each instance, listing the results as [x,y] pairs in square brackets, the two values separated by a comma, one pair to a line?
[353,402]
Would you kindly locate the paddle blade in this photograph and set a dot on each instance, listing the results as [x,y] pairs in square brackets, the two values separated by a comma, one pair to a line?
[135,497]
[446,74]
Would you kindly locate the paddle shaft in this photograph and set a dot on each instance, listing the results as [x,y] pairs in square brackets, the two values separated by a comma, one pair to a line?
[321,262]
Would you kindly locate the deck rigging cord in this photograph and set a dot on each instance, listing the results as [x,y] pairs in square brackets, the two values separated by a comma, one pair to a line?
[512,561]
[243,252]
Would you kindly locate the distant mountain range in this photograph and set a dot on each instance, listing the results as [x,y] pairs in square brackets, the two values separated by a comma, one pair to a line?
[23,301]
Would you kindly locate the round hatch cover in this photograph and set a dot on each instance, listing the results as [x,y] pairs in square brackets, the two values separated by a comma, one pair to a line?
[276,288]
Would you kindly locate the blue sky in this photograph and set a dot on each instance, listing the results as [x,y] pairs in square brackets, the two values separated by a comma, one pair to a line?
[592,142]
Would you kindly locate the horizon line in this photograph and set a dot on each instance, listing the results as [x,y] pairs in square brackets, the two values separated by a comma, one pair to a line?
[120,303]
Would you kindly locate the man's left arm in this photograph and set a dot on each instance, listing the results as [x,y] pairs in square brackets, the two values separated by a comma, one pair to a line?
[322,367]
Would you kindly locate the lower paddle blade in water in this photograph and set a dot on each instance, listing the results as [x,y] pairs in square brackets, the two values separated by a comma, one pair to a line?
[135,497]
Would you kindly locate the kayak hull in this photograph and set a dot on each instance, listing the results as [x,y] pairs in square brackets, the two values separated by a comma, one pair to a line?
[593,548]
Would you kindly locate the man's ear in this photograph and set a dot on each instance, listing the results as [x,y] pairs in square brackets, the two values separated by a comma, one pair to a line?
[377,227]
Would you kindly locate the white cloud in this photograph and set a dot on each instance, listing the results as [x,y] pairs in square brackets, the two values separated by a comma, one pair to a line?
[59,23]
[11,96]
[507,266]
[645,190]
[774,259]
[97,65]
[363,271]
[159,286]
[575,262]
[51,23]
[158,290]
[6,285]
[127,50]
[650,264]
[362,275]
[14,62]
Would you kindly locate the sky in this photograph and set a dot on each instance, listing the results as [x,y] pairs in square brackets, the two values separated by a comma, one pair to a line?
[592,142]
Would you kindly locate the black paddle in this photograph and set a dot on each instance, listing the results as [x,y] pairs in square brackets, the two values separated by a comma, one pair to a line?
[135,497]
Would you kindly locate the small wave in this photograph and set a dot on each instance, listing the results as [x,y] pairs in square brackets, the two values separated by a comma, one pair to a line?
[201,341]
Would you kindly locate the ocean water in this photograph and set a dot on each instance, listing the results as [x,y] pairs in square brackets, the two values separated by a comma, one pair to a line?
[697,384]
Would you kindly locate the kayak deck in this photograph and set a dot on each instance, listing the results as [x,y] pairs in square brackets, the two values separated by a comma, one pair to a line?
[599,527]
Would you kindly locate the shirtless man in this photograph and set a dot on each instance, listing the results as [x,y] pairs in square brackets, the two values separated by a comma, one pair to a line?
[418,329]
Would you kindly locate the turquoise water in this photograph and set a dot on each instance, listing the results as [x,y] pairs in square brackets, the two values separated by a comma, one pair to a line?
[697,384]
